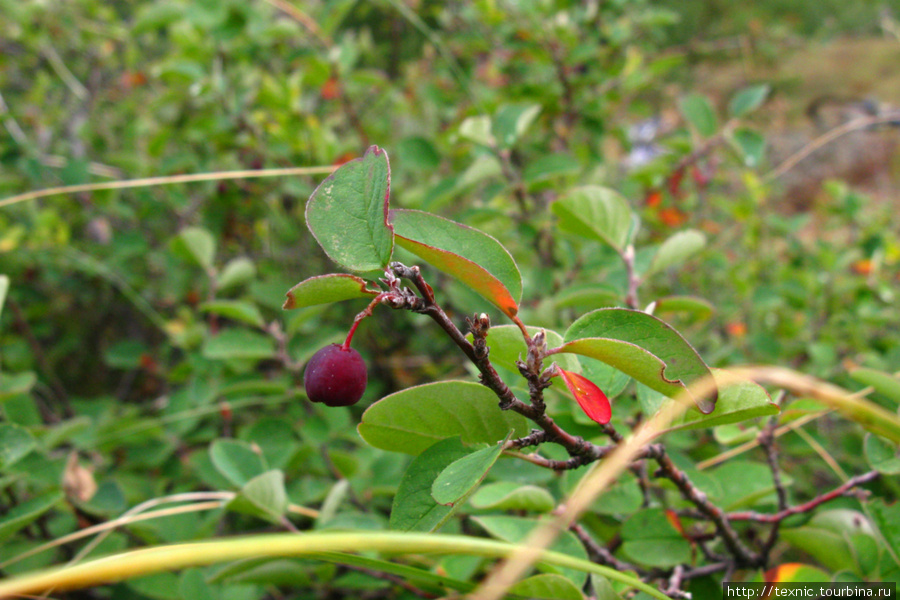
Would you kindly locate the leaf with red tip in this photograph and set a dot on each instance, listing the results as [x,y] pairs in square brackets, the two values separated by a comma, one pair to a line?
[472,256]
[324,289]
[590,398]
[347,213]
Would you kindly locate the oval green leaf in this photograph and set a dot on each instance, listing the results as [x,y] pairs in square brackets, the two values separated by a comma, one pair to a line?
[26,513]
[511,121]
[677,249]
[236,310]
[324,289]
[264,497]
[650,539]
[195,244]
[547,587]
[457,482]
[414,509]
[698,307]
[237,271]
[347,213]
[470,255]
[516,530]
[15,443]
[748,99]
[238,344]
[882,455]
[236,460]
[737,402]
[642,346]
[698,111]
[413,419]
[509,495]
[597,213]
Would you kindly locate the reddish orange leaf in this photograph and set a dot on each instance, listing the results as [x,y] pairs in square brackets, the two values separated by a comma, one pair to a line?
[331,89]
[590,398]
[672,216]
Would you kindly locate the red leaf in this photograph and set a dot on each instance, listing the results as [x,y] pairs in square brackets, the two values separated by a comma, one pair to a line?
[590,398]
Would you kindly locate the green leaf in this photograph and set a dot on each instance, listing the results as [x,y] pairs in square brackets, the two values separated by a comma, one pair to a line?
[741,484]
[462,476]
[26,513]
[698,111]
[588,296]
[347,213]
[596,213]
[511,121]
[884,383]
[263,496]
[324,289]
[839,539]
[195,244]
[15,443]
[235,310]
[517,529]
[699,307]
[509,495]
[413,419]
[238,344]
[472,256]
[887,519]
[414,509]
[548,167]
[419,153]
[16,384]
[882,456]
[547,587]
[412,574]
[750,144]
[193,585]
[507,346]
[677,249]
[650,539]
[478,130]
[748,99]
[737,402]
[236,272]
[4,288]
[642,346]
[236,460]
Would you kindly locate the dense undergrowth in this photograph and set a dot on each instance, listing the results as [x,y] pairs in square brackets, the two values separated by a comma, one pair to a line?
[145,354]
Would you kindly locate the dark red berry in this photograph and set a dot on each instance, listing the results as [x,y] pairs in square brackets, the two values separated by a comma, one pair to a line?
[335,377]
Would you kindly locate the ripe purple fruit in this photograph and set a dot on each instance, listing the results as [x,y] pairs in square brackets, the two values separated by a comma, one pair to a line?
[335,376]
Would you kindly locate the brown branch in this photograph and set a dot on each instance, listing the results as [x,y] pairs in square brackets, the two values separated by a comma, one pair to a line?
[767,443]
[601,554]
[477,352]
[806,506]
[715,514]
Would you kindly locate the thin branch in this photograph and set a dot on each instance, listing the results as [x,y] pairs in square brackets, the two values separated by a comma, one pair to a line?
[767,442]
[581,451]
[806,506]
[715,514]
[600,554]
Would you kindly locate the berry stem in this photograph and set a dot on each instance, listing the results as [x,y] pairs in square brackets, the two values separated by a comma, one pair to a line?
[367,312]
